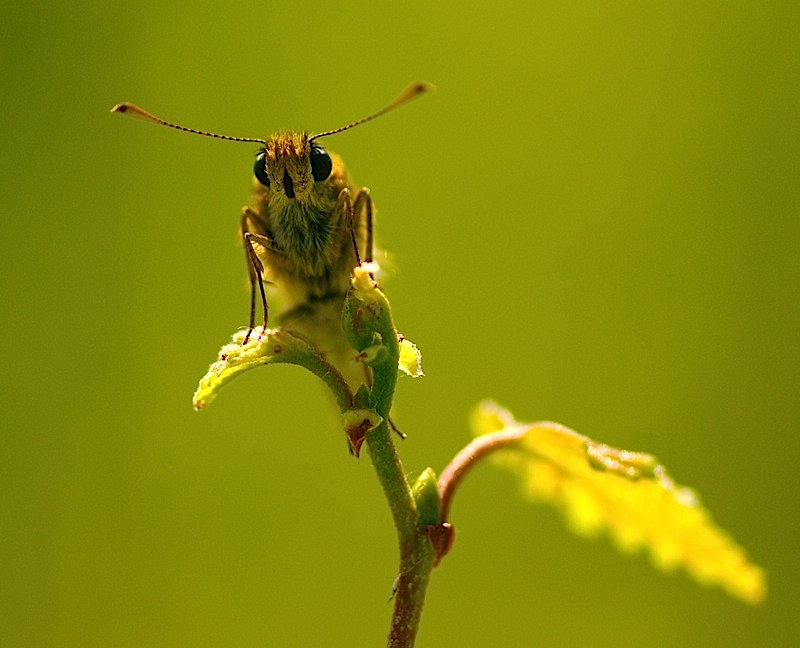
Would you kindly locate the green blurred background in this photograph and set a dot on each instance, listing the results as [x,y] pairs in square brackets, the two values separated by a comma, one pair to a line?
[594,220]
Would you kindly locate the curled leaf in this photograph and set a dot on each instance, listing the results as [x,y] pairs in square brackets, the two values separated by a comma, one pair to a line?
[365,310]
[234,358]
[367,324]
[273,346]
[627,494]
[357,423]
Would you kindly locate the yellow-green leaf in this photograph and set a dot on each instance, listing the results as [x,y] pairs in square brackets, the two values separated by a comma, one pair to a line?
[629,495]
[410,358]
[234,358]
[273,346]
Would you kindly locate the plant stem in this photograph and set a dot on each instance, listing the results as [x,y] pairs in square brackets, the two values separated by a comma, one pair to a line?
[367,321]
[416,564]
[468,457]
[393,480]
[416,555]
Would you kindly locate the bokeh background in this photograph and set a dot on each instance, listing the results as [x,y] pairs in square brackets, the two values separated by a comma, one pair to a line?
[593,220]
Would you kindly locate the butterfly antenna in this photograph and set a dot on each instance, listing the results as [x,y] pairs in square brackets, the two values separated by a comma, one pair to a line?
[408,94]
[137,113]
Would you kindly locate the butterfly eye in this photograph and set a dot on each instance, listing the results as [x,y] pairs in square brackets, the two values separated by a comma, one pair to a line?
[321,164]
[260,169]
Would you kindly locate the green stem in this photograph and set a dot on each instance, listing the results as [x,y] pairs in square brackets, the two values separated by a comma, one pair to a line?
[416,556]
[393,480]
[366,314]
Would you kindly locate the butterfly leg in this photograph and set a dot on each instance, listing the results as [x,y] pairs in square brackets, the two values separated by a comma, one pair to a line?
[363,204]
[358,220]
[255,268]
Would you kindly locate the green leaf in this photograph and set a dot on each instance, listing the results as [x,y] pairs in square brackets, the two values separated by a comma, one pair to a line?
[426,496]
[629,495]
[368,327]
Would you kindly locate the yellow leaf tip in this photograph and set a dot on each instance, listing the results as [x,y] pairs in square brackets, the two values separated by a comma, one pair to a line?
[410,362]
[629,495]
